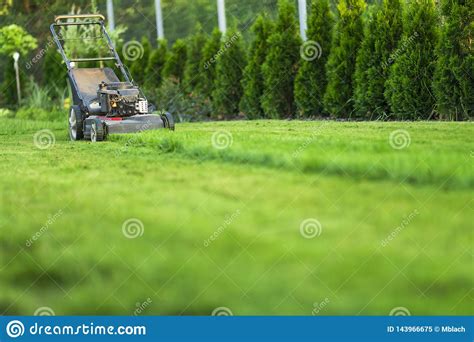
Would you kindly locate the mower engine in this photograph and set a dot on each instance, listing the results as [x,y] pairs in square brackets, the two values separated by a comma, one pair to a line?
[121,99]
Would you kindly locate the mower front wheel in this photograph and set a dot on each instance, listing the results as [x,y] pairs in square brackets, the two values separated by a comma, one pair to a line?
[98,132]
[76,124]
[168,120]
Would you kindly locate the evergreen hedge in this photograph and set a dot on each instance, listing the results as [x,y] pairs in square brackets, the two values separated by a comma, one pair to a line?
[408,88]
[348,34]
[310,83]
[155,65]
[454,73]
[207,68]
[281,64]
[193,70]
[176,62]
[382,32]
[230,62]
[253,82]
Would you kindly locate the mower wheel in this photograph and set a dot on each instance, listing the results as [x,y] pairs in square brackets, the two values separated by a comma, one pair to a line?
[76,124]
[168,120]
[98,132]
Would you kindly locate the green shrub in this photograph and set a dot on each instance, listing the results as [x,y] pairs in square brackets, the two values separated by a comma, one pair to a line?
[208,69]
[348,34]
[310,82]
[154,69]
[453,79]
[176,62]
[193,73]
[228,84]
[408,88]
[382,32]
[281,64]
[6,113]
[252,82]
[14,38]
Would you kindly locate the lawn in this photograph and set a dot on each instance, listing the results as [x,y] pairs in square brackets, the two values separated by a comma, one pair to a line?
[253,218]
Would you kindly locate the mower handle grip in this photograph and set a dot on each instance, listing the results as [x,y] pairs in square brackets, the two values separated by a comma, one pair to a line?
[58,18]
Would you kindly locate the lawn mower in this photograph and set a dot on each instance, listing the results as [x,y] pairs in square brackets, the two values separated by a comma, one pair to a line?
[102,103]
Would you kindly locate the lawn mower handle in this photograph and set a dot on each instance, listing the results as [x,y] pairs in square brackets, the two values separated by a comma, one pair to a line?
[58,18]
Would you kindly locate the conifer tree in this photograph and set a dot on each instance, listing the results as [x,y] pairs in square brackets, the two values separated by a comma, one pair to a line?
[281,64]
[207,67]
[176,62]
[310,82]
[454,73]
[408,88]
[229,71]
[252,81]
[139,64]
[348,34]
[382,32]
[193,73]
[156,63]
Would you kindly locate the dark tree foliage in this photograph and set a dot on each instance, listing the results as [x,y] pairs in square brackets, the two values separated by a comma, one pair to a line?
[348,34]
[8,92]
[281,64]
[229,71]
[176,62]
[156,63]
[193,71]
[382,32]
[253,82]
[310,82]
[54,69]
[207,68]
[408,88]
[454,74]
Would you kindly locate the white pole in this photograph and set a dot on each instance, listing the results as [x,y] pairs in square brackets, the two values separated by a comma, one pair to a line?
[221,16]
[303,18]
[16,56]
[110,15]
[159,20]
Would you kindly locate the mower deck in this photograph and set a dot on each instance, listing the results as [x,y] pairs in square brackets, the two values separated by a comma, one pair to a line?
[132,124]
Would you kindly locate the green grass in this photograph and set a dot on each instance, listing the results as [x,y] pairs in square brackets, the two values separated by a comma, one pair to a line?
[252,196]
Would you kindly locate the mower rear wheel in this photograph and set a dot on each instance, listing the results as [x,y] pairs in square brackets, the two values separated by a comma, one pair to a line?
[168,120]
[98,132]
[76,124]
